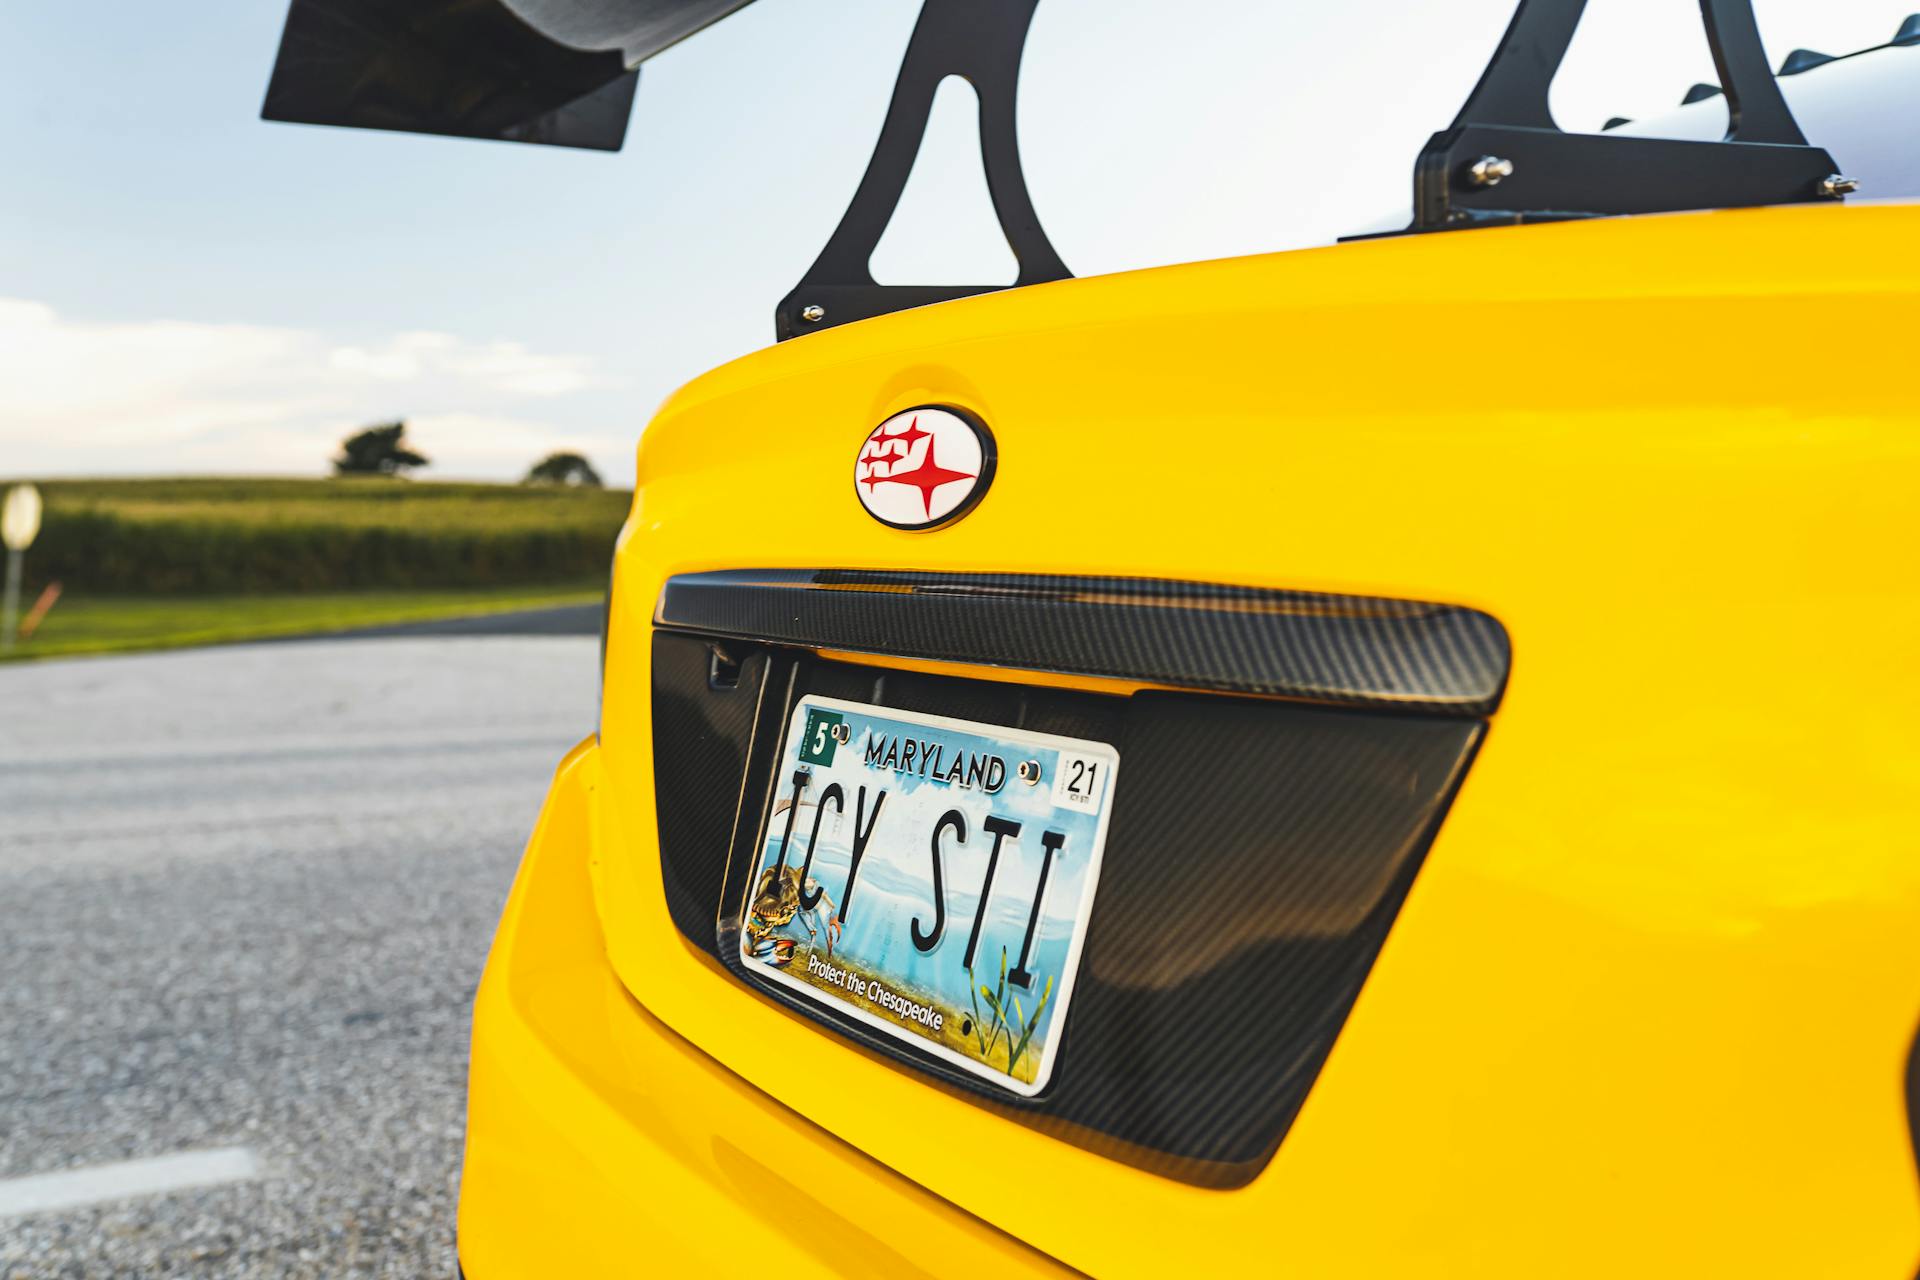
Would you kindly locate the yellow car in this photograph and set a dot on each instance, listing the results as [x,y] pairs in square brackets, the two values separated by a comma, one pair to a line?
[1391,759]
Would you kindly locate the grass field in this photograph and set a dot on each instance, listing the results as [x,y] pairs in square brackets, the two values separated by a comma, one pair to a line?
[120,623]
[161,563]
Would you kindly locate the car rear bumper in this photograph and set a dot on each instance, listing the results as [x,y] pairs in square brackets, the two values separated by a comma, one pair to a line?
[599,1142]
[1649,1003]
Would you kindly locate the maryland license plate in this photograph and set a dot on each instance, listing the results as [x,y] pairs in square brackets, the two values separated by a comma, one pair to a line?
[933,878]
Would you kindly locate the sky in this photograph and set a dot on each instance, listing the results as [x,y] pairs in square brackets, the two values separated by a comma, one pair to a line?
[186,289]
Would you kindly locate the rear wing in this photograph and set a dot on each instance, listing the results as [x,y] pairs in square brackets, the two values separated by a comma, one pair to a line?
[559,72]
[564,71]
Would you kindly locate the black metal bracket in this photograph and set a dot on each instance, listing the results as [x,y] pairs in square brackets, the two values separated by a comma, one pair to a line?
[980,41]
[1504,159]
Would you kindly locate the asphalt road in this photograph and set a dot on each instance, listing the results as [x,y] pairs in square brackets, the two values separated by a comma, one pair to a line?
[245,896]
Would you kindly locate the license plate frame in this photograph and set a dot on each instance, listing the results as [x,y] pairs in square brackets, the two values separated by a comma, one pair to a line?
[874,819]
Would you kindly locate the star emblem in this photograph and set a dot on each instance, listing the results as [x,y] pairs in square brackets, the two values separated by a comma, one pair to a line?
[926,477]
[905,450]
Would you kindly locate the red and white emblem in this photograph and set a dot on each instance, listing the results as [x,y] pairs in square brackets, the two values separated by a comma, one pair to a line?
[923,467]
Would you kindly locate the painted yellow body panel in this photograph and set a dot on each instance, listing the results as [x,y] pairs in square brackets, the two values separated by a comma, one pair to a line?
[1648,1005]
[601,1143]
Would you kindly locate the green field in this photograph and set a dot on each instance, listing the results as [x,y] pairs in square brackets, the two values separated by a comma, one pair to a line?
[149,564]
[233,536]
[354,501]
[108,624]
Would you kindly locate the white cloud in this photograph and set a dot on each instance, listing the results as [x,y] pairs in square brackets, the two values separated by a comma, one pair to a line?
[499,366]
[80,397]
[122,383]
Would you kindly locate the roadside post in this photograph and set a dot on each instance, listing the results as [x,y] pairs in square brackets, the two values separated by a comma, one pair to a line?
[19,525]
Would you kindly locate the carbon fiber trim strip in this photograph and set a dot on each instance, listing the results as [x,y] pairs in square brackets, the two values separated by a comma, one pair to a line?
[1353,650]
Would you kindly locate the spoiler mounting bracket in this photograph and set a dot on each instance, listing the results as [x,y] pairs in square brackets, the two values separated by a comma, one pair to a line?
[980,41]
[1503,160]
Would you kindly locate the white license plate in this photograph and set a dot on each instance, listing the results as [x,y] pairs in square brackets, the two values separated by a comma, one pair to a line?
[932,877]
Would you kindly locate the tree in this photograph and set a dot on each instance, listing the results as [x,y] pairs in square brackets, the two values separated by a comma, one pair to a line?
[377,451]
[564,468]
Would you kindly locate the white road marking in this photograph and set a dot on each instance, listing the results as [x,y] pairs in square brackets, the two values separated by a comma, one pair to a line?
[128,1178]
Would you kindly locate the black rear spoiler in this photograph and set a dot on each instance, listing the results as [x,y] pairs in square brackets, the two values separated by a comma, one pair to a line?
[560,72]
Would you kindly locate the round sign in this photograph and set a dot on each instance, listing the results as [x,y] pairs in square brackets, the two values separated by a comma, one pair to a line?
[924,467]
[20,517]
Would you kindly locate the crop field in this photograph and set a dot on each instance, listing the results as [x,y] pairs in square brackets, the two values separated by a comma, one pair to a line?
[160,563]
[223,536]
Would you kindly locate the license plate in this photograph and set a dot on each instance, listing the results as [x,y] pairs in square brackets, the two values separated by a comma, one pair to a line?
[932,878]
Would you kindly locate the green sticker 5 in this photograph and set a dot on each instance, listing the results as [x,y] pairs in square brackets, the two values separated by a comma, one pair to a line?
[819,740]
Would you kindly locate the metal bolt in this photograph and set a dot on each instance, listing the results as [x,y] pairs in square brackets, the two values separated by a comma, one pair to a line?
[1029,771]
[1489,171]
[1838,184]
[813,313]
[842,733]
